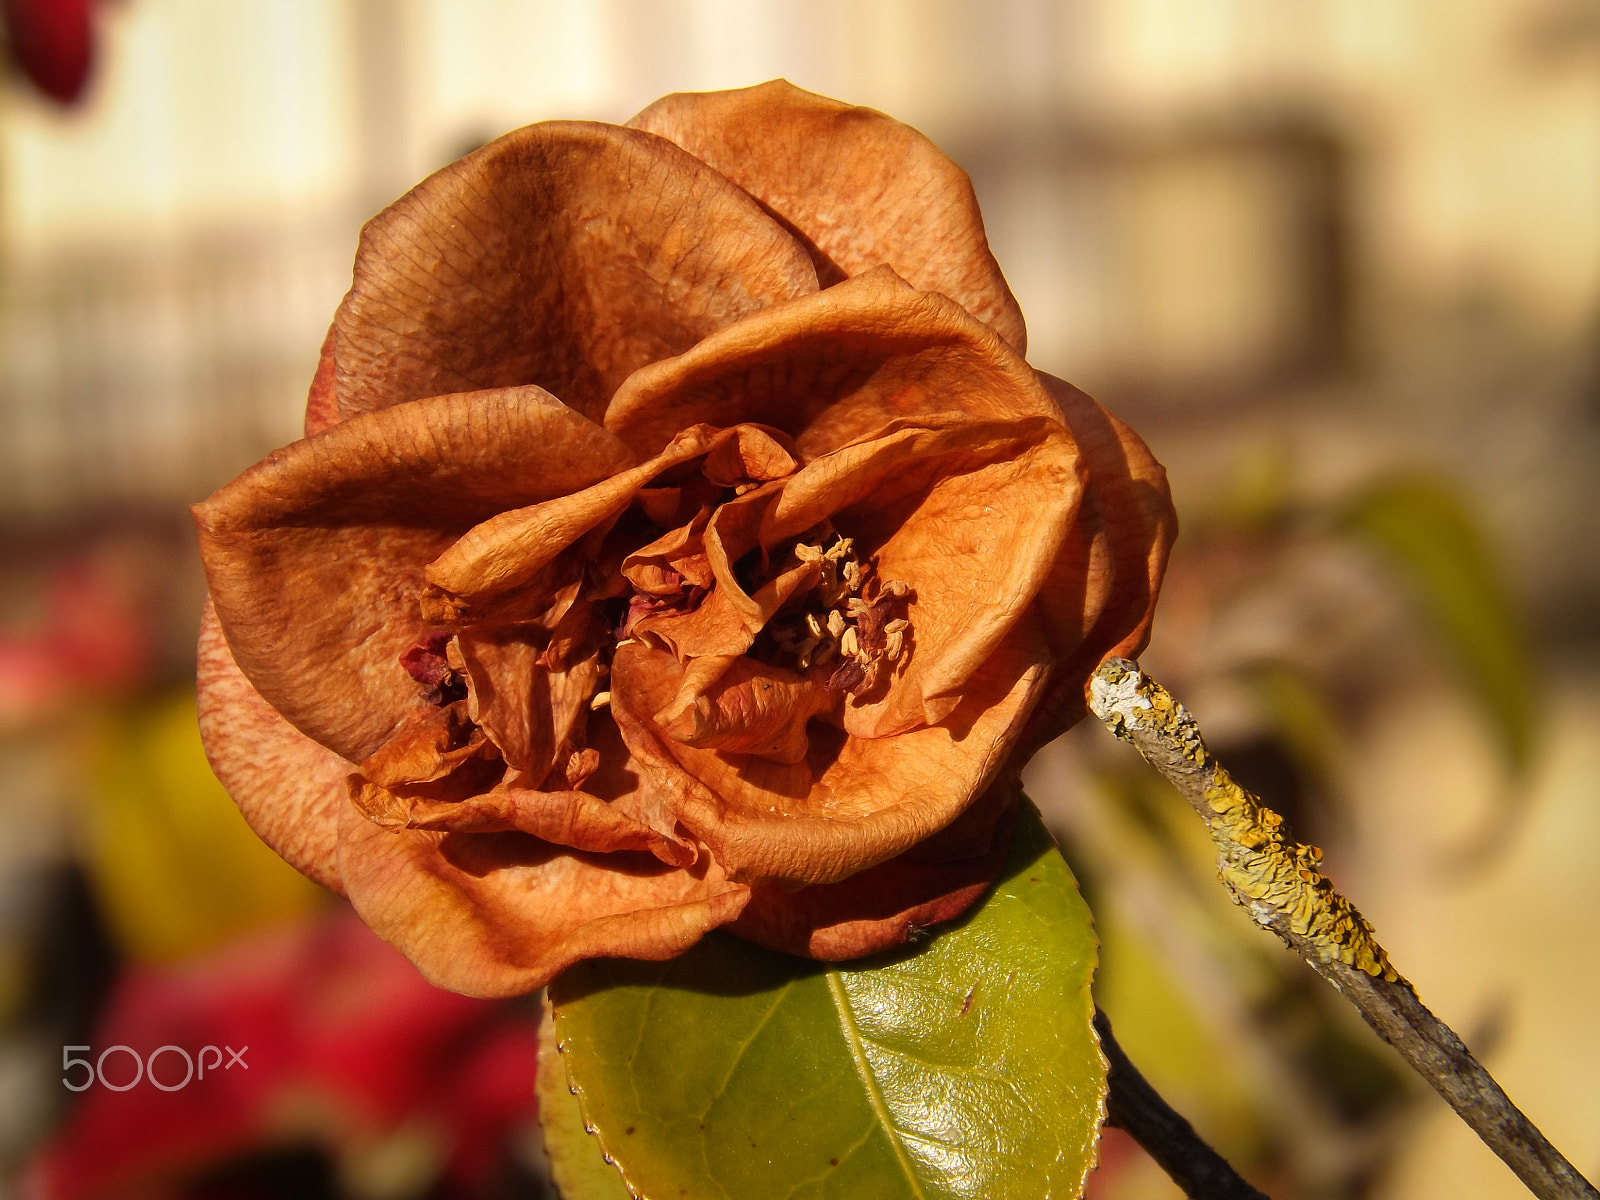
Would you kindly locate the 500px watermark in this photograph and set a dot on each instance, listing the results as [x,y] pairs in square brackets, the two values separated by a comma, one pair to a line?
[194,1066]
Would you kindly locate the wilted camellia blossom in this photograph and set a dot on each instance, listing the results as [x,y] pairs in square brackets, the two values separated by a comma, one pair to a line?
[679,540]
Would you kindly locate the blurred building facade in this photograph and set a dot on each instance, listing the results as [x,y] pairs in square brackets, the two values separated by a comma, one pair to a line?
[1188,198]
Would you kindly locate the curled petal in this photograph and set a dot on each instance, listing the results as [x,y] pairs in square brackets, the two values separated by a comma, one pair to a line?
[861,187]
[753,454]
[884,905]
[315,556]
[729,620]
[430,745]
[530,700]
[750,709]
[852,802]
[1136,510]
[510,548]
[501,914]
[290,789]
[674,560]
[1101,597]
[831,368]
[574,819]
[501,666]
[566,254]
[394,803]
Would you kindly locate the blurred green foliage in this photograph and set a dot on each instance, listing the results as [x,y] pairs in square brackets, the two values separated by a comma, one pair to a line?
[176,868]
[1426,528]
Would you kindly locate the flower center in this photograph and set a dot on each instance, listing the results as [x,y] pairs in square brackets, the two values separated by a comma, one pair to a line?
[839,624]
[766,637]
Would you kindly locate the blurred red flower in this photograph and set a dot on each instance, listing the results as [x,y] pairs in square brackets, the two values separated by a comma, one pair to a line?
[344,1046]
[52,42]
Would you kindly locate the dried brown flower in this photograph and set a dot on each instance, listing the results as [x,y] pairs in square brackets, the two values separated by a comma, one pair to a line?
[679,540]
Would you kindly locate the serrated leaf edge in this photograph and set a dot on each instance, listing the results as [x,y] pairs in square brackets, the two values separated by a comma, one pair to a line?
[551,1014]
[1102,1111]
[583,1107]
[1085,994]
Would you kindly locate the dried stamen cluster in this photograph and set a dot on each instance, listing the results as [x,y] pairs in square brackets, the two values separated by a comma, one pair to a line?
[863,635]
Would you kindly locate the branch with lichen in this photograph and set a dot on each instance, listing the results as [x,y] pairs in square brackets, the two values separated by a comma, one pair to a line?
[1278,883]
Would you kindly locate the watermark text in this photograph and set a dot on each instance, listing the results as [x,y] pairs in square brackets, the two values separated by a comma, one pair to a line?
[169,1068]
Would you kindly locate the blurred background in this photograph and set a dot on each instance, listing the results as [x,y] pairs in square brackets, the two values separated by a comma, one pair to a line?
[1337,260]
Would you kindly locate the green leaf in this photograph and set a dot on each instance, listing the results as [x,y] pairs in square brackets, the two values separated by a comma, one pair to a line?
[577,1164]
[1426,528]
[967,1067]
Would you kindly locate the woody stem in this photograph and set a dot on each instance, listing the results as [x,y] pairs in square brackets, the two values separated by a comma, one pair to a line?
[1278,884]
[1136,1108]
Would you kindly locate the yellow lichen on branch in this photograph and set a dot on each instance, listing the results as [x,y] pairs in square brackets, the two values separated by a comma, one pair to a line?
[1278,882]
[1261,867]
[1275,879]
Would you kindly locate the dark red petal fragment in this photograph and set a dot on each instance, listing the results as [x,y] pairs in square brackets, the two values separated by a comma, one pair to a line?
[53,42]
[426,663]
[849,676]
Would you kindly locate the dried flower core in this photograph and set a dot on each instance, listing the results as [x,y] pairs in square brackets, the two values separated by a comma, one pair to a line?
[830,627]
[861,637]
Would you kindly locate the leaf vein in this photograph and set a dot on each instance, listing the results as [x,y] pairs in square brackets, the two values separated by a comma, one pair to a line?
[858,1054]
[844,1156]
[744,1046]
